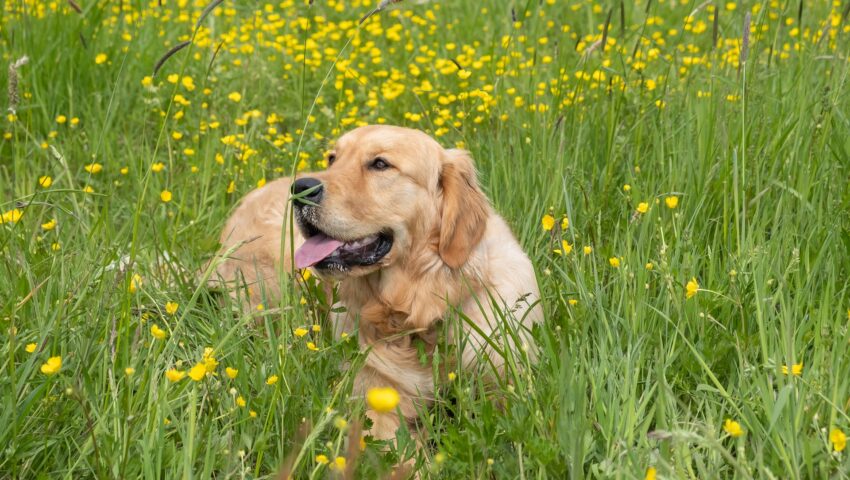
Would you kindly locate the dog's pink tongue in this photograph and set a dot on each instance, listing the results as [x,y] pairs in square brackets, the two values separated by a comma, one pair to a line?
[314,250]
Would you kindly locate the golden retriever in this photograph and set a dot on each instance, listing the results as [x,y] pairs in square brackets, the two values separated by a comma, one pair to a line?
[403,227]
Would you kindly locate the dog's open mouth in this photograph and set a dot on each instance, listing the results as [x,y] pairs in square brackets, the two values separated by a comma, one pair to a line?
[326,253]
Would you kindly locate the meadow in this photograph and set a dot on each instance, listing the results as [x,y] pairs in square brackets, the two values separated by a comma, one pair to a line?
[677,170]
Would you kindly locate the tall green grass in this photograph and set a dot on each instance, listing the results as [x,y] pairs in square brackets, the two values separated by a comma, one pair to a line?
[632,374]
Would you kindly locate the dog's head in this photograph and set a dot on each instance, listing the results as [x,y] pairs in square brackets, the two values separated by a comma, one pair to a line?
[389,195]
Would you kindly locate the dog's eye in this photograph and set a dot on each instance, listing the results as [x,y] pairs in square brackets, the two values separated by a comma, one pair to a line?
[331,159]
[379,164]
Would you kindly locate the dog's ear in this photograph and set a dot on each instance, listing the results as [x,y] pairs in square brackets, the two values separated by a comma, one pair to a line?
[465,208]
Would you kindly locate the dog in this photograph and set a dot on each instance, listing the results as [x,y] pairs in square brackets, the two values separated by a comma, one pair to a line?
[402,226]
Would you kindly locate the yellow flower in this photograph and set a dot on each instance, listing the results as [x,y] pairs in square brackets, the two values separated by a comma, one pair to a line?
[11,216]
[52,365]
[231,187]
[253,414]
[175,375]
[49,225]
[733,428]
[261,183]
[31,347]
[642,207]
[691,288]
[158,333]
[651,473]
[60,119]
[588,249]
[241,401]
[382,399]
[672,201]
[45,181]
[649,266]
[838,439]
[165,196]
[317,328]
[125,170]
[129,371]
[340,423]
[464,74]
[322,459]
[614,261]
[198,372]
[271,380]
[231,372]
[157,167]
[210,363]
[147,81]
[135,282]
[796,369]
[566,247]
[339,464]
[235,97]
[452,376]
[100,58]
[300,332]
[573,302]
[548,222]
[312,346]
[94,168]
[565,223]
[627,187]
[171,308]
[188,83]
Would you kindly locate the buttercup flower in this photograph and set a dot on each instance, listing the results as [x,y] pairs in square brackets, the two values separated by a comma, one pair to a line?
[672,201]
[382,399]
[795,370]
[198,372]
[52,365]
[838,440]
[733,428]
[231,372]
[135,282]
[548,222]
[171,308]
[158,333]
[174,375]
[11,216]
[30,347]
[272,380]
[651,473]
[642,207]
[691,288]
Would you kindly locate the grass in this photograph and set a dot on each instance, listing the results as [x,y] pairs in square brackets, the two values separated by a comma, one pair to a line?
[634,378]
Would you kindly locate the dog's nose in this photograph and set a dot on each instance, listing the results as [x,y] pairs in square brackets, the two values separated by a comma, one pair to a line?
[303,184]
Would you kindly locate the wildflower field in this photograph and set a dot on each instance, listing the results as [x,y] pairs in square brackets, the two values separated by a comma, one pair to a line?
[677,170]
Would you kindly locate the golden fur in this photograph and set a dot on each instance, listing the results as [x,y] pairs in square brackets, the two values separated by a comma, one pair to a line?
[450,250]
